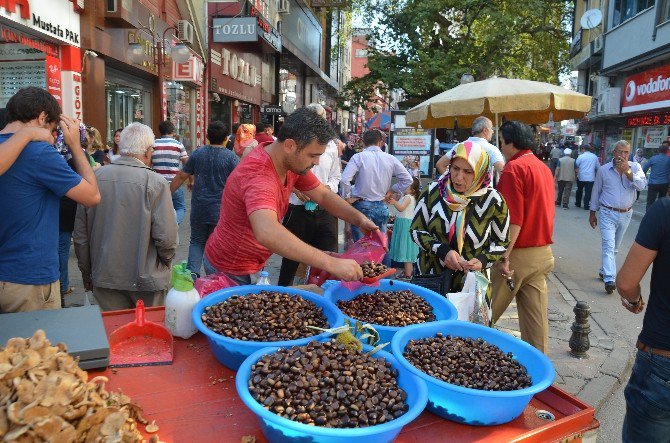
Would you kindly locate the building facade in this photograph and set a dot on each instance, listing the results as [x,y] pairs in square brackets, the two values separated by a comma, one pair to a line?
[40,45]
[128,70]
[621,50]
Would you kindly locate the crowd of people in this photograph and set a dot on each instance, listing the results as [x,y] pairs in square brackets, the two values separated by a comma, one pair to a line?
[490,211]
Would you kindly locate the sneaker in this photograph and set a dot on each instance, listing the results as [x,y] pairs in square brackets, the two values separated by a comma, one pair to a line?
[578,206]
[610,287]
[565,207]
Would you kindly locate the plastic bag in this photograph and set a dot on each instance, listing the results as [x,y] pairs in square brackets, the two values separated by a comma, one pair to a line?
[471,301]
[213,282]
[371,247]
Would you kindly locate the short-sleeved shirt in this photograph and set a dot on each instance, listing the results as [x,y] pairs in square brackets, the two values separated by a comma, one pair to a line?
[211,167]
[660,169]
[528,188]
[167,156]
[29,204]
[252,186]
[654,234]
[588,165]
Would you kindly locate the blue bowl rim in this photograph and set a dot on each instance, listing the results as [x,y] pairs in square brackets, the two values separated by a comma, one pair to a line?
[224,294]
[262,413]
[531,390]
[390,328]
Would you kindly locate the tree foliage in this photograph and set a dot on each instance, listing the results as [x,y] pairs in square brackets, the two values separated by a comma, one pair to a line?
[425,46]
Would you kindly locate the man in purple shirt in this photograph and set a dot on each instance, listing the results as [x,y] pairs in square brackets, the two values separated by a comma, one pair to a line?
[614,193]
[374,170]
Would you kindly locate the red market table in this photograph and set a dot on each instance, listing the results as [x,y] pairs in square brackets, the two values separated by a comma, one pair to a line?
[194,400]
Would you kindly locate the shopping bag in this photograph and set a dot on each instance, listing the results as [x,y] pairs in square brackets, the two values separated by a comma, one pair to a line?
[471,301]
[213,282]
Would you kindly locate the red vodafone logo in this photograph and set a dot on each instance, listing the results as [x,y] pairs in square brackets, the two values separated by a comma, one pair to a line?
[630,91]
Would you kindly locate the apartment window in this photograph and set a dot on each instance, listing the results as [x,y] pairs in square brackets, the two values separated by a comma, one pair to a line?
[665,11]
[625,9]
[361,53]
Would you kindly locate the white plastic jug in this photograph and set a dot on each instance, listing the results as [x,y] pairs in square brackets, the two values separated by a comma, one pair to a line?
[180,301]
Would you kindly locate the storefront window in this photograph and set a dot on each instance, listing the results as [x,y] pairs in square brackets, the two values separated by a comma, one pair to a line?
[125,105]
[221,110]
[20,67]
[181,112]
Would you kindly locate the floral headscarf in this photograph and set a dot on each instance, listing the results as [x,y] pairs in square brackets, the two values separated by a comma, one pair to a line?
[65,149]
[478,159]
[244,137]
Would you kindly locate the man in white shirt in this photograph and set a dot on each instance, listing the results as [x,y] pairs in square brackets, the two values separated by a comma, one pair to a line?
[586,166]
[374,171]
[482,131]
[304,218]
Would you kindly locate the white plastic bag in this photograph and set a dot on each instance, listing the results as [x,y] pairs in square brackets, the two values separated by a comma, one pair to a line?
[471,302]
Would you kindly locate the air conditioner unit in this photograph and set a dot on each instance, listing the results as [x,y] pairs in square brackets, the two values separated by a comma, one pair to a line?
[283,7]
[602,83]
[598,44]
[609,101]
[185,31]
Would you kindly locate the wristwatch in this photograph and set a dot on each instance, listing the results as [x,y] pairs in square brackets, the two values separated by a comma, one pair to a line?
[634,304]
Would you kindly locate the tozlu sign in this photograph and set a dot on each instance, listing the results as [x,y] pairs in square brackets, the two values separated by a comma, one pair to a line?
[237,68]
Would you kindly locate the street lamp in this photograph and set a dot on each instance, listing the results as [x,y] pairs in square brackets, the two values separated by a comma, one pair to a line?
[179,53]
[467,78]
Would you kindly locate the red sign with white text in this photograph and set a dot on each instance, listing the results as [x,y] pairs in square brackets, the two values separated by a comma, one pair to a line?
[54,86]
[647,90]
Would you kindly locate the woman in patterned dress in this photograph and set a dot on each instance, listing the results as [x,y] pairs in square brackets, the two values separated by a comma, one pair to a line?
[460,221]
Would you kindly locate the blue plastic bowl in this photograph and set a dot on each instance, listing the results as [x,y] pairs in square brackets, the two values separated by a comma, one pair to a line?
[282,430]
[442,308]
[473,406]
[231,352]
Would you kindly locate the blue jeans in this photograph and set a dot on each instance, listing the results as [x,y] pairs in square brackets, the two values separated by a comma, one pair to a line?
[378,212]
[200,232]
[239,279]
[613,226]
[647,395]
[63,257]
[179,204]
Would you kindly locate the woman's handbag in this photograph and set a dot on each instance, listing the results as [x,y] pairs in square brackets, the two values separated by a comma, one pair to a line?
[436,283]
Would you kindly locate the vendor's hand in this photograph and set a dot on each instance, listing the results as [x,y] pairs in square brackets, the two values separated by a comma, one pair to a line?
[593,220]
[38,134]
[345,269]
[88,286]
[367,226]
[453,261]
[301,195]
[392,201]
[473,265]
[70,128]
[634,309]
[503,268]
[388,195]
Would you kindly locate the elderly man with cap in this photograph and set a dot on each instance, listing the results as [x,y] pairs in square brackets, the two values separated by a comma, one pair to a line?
[565,176]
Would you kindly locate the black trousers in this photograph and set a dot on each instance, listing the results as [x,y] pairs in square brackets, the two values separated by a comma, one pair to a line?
[316,228]
[656,191]
[584,188]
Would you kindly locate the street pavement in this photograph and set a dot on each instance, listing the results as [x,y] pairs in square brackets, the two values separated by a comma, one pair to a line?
[598,379]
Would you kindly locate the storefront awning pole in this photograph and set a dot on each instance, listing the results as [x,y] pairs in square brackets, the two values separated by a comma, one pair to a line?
[497,140]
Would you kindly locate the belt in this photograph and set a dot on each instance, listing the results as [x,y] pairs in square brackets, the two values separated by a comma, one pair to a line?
[616,209]
[644,348]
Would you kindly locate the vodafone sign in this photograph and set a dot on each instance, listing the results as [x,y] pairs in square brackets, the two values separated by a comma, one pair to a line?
[647,90]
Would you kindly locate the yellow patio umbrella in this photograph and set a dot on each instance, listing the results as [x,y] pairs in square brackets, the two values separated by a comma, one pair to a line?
[524,100]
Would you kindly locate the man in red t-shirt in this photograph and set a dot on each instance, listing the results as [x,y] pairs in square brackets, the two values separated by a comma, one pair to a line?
[528,188]
[255,199]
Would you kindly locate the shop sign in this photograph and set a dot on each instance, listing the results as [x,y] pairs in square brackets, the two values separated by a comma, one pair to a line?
[237,68]
[647,90]
[14,36]
[416,143]
[238,29]
[191,71]
[303,31]
[649,120]
[272,109]
[654,137]
[55,18]
[54,86]
[235,74]
[266,31]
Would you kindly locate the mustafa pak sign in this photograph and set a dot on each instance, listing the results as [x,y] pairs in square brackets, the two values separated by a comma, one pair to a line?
[647,90]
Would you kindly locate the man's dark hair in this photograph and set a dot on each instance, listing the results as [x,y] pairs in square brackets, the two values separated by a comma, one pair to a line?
[304,126]
[519,134]
[166,127]
[663,149]
[372,137]
[260,127]
[217,132]
[28,103]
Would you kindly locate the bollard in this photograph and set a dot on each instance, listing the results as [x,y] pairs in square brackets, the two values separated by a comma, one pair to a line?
[579,340]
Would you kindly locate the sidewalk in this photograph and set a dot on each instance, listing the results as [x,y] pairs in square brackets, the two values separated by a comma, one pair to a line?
[591,379]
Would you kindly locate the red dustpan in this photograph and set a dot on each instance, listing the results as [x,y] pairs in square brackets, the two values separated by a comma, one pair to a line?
[140,343]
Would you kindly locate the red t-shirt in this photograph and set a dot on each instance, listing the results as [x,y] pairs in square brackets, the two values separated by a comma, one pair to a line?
[528,188]
[254,184]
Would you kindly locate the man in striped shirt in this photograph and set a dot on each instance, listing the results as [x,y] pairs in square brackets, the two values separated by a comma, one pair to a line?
[168,153]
